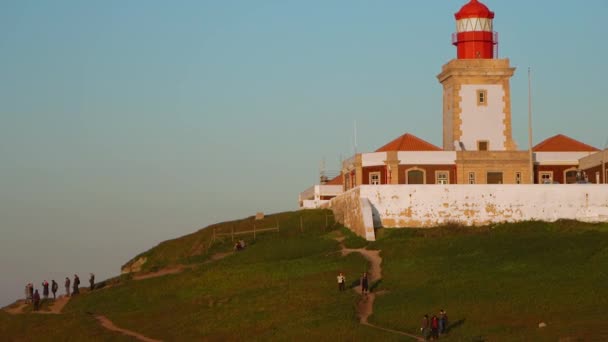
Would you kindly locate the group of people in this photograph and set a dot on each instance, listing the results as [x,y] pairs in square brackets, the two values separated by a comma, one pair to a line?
[435,326]
[33,296]
[239,245]
[363,282]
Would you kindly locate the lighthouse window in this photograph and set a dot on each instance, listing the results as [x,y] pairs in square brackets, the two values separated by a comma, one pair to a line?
[482,97]
[374,178]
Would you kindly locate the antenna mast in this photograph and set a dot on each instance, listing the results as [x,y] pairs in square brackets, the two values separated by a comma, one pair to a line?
[530,125]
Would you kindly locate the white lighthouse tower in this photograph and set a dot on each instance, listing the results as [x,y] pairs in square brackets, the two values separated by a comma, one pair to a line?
[476,90]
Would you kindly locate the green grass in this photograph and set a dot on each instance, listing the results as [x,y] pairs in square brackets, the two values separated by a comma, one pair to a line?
[499,281]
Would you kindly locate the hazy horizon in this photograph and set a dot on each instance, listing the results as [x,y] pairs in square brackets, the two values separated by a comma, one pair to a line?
[124,124]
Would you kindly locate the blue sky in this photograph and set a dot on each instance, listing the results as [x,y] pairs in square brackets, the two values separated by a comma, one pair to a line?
[125,123]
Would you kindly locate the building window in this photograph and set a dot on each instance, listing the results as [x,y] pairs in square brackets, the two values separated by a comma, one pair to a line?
[570,176]
[415,176]
[482,97]
[494,178]
[483,145]
[471,177]
[442,177]
[374,178]
[545,177]
[517,177]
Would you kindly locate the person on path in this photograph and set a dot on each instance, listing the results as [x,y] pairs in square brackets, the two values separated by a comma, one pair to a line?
[76,289]
[67,286]
[443,322]
[364,284]
[92,281]
[31,289]
[36,301]
[341,282]
[45,289]
[434,327]
[27,294]
[425,327]
[54,288]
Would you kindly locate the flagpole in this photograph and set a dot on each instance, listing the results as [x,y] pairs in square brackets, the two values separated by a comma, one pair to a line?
[530,125]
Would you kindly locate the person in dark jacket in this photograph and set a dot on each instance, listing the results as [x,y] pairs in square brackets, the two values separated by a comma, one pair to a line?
[76,289]
[443,322]
[364,282]
[92,281]
[54,288]
[36,301]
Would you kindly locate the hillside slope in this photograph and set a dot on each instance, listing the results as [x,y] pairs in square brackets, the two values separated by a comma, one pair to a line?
[496,283]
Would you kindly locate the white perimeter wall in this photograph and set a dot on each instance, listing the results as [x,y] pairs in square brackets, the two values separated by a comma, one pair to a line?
[482,122]
[430,205]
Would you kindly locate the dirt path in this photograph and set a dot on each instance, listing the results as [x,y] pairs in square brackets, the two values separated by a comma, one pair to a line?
[106,323]
[55,307]
[365,307]
[178,268]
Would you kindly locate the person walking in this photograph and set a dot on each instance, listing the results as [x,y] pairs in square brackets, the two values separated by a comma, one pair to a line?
[92,281]
[54,288]
[364,284]
[443,322]
[341,282]
[425,327]
[67,286]
[36,301]
[76,288]
[45,289]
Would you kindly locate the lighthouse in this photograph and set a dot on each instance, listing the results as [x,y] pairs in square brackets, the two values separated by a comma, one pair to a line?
[477,102]
[475,37]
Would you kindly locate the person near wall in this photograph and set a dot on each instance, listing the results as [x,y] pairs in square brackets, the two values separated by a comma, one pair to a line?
[364,282]
[54,288]
[341,282]
[92,281]
[425,328]
[67,286]
[36,301]
[76,288]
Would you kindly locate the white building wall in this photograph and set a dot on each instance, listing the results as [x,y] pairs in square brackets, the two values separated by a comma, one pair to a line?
[373,159]
[560,158]
[482,122]
[427,158]
[431,205]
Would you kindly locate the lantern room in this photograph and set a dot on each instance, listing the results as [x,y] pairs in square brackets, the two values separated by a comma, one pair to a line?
[474,37]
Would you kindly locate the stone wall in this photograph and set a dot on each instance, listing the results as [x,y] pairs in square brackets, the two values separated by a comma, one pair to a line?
[354,212]
[431,205]
[392,206]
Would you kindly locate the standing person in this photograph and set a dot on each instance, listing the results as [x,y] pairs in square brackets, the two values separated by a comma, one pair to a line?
[434,327]
[341,282]
[364,284]
[443,322]
[27,293]
[31,289]
[67,286]
[425,327]
[54,288]
[36,300]
[92,281]
[76,289]
[45,289]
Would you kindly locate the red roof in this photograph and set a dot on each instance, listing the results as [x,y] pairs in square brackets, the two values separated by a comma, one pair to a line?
[335,181]
[562,143]
[474,9]
[408,142]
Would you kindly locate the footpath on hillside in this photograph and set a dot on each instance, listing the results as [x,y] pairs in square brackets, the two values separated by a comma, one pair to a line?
[365,307]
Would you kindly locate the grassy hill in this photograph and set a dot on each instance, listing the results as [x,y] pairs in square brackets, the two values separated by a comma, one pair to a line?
[496,283]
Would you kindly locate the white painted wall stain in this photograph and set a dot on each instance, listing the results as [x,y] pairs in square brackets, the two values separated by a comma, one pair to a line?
[431,205]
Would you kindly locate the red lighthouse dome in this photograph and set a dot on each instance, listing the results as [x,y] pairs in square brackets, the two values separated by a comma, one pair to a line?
[474,36]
